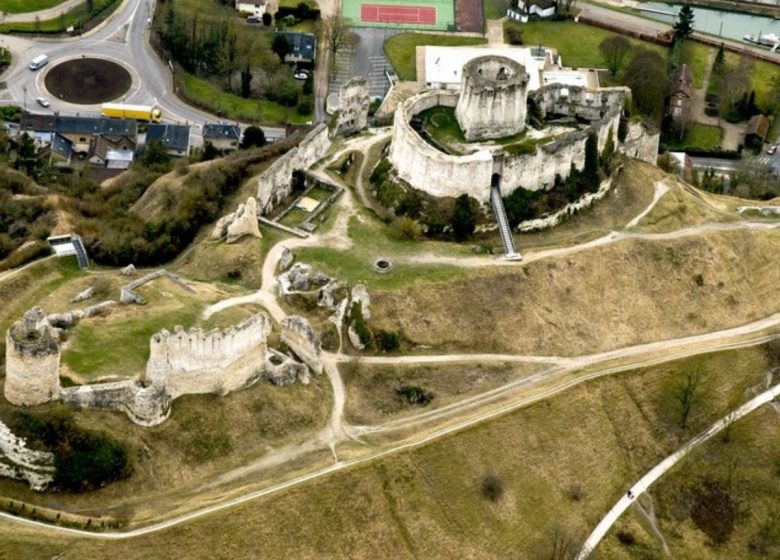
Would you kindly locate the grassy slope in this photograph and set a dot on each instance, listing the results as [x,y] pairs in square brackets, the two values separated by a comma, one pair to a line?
[75,17]
[563,462]
[23,6]
[401,49]
[749,459]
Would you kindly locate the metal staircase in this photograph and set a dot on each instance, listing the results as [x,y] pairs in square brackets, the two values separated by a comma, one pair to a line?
[81,252]
[503,223]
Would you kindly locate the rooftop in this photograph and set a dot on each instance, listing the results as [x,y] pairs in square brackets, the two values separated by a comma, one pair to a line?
[221,131]
[173,136]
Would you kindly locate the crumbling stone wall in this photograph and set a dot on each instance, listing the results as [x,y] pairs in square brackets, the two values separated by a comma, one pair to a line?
[354,103]
[640,144]
[218,361]
[275,183]
[299,335]
[144,404]
[32,361]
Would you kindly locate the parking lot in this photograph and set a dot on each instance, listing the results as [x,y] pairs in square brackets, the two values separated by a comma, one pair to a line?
[367,59]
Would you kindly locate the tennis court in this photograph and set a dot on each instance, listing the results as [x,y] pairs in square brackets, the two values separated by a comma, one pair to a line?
[401,14]
[382,13]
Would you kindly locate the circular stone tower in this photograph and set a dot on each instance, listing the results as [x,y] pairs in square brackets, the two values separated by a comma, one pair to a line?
[32,361]
[492,100]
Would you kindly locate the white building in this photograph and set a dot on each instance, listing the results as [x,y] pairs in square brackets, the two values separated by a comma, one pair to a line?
[255,8]
[444,66]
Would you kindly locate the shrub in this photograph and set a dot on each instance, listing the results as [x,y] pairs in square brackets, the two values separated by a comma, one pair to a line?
[387,341]
[405,227]
[305,106]
[464,218]
[267,19]
[415,395]
[626,538]
[492,487]
[714,510]
[359,323]
[514,35]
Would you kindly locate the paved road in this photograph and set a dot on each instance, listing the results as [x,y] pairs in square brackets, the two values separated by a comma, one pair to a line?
[661,468]
[123,37]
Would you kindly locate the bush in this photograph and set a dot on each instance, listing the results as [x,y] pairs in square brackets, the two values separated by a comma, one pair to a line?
[464,218]
[415,395]
[10,113]
[713,510]
[732,116]
[359,323]
[267,19]
[626,538]
[305,106]
[404,227]
[387,341]
[492,487]
[514,35]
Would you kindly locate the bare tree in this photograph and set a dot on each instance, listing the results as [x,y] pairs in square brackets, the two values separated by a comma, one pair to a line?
[687,395]
[615,49]
[337,34]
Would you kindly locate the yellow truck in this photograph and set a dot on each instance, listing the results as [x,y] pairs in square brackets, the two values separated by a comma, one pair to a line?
[138,112]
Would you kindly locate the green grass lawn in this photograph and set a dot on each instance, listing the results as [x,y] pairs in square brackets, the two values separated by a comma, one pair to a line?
[24,6]
[400,49]
[212,98]
[696,56]
[495,9]
[701,136]
[76,17]
[442,125]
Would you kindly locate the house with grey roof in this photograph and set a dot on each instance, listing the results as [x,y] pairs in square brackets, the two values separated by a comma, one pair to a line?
[175,137]
[224,137]
[303,46]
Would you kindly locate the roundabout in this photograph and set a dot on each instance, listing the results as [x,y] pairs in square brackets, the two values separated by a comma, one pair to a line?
[88,81]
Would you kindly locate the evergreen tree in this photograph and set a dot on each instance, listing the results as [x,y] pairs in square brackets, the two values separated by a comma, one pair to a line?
[253,136]
[246,82]
[591,169]
[464,218]
[281,46]
[683,27]
[720,61]
[155,154]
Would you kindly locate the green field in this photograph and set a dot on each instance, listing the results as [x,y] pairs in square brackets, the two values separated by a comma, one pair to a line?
[210,97]
[25,6]
[77,17]
[445,13]
[400,49]
[699,136]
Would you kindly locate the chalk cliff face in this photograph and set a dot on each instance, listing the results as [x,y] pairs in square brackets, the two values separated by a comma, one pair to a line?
[32,361]
[20,463]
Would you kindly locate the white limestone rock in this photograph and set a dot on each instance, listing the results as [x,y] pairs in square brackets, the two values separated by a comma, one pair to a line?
[81,296]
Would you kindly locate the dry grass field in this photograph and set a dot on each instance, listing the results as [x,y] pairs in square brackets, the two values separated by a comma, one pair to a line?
[621,294]
[561,463]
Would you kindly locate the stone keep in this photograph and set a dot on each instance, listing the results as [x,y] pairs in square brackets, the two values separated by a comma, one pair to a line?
[492,101]
[32,361]
[354,102]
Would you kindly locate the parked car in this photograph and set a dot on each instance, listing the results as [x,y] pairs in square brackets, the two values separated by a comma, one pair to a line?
[772,149]
[42,102]
[254,19]
[301,74]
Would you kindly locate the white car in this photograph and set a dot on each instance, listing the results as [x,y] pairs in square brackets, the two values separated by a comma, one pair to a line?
[42,102]
[301,74]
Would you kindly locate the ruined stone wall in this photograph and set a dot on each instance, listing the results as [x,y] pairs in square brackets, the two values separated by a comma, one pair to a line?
[144,404]
[218,361]
[556,100]
[32,361]
[354,103]
[428,169]
[275,183]
[298,334]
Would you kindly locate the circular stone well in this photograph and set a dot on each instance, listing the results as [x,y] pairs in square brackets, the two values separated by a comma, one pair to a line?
[87,81]
[383,265]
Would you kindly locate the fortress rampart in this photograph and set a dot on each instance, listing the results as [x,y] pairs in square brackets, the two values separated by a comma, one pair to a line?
[218,361]
[275,183]
[428,169]
[181,362]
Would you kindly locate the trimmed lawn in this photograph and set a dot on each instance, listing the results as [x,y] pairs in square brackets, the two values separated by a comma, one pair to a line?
[577,43]
[701,136]
[696,55]
[495,9]
[75,17]
[24,6]
[213,99]
[401,49]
